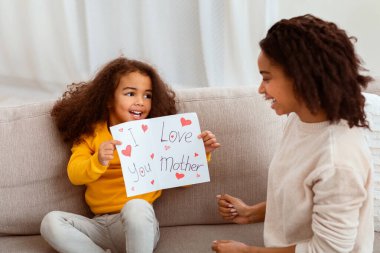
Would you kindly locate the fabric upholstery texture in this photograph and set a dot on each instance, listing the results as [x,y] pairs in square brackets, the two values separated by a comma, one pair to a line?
[177,239]
[33,170]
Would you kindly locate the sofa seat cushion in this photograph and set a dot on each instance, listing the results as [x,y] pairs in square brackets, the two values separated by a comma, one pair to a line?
[176,239]
[198,238]
[173,239]
[25,244]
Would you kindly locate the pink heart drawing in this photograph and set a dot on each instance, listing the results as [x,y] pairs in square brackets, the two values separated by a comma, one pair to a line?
[185,122]
[196,154]
[166,147]
[127,151]
[144,127]
[133,188]
[152,182]
[179,175]
[198,175]
[152,155]
[121,130]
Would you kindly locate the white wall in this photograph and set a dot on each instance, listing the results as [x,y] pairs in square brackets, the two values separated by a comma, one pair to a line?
[360,18]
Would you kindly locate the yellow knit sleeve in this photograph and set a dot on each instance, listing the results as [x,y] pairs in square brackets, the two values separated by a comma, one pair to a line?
[84,166]
[208,157]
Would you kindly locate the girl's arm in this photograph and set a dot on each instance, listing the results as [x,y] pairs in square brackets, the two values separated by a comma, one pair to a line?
[85,166]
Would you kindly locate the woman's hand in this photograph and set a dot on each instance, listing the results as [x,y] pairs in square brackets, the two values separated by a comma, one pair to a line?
[209,141]
[229,246]
[106,151]
[233,209]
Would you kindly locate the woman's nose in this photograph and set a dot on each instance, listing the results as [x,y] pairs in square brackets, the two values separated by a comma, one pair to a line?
[261,88]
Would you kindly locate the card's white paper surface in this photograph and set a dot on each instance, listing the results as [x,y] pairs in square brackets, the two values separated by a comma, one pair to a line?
[161,153]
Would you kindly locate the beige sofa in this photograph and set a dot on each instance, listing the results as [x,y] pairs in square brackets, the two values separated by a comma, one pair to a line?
[33,178]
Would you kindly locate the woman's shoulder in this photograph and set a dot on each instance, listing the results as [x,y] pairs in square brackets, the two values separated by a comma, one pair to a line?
[350,147]
[343,134]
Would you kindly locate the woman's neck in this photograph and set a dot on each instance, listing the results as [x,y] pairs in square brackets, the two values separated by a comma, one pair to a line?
[307,117]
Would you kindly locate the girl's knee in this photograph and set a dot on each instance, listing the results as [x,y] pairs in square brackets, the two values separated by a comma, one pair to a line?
[49,221]
[137,210]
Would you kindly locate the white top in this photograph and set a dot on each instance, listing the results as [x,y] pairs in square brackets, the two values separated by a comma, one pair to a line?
[320,190]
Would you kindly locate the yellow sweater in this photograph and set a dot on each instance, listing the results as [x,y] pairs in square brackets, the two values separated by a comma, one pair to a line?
[105,189]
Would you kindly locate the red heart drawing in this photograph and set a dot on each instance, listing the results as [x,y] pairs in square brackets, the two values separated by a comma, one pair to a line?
[152,182]
[127,151]
[144,127]
[185,122]
[179,175]
[152,155]
[195,154]
[166,147]
[121,130]
[198,175]
[172,136]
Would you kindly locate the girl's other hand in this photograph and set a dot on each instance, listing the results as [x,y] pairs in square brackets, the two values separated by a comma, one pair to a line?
[209,141]
[106,150]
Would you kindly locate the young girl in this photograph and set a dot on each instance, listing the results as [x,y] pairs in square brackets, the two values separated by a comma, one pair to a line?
[319,195]
[123,90]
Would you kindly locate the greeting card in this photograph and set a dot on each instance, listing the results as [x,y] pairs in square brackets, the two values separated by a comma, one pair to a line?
[161,153]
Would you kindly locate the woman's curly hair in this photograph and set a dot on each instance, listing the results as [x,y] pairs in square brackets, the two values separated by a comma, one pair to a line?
[84,104]
[320,58]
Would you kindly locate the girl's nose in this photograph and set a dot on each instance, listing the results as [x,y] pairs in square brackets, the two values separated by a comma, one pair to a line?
[139,101]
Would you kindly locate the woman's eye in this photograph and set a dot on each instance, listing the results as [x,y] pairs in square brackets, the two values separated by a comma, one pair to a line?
[148,96]
[129,94]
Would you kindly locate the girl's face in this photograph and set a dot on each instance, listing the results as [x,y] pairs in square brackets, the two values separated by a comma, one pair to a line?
[278,88]
[132,98]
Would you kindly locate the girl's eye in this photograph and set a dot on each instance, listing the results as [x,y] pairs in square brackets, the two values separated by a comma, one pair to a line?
[129,94]
[148,96]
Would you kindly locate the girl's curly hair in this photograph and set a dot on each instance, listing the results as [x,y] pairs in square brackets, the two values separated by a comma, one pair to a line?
[321,60]
[84,104]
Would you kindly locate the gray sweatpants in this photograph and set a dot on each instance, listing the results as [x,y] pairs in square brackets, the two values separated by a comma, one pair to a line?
[134,230]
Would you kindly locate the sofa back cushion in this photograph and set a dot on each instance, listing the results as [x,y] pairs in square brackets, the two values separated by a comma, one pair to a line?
[33,163]
[248,130]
